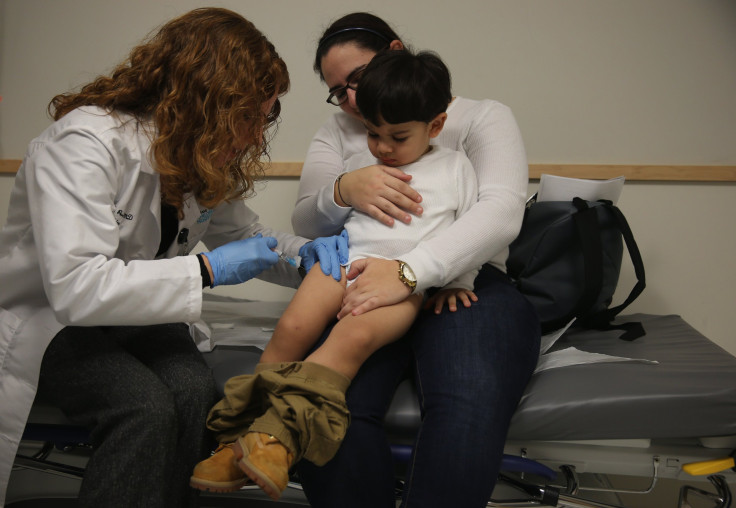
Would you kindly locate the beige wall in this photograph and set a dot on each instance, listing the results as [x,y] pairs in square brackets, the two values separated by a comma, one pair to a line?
[590,81]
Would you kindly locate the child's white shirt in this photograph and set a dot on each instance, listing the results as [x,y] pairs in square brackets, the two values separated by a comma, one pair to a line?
[446,180]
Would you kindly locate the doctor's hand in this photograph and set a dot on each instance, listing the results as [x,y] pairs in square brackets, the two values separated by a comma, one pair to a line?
[331,252]
[377,286]
[381,192]
[238,261]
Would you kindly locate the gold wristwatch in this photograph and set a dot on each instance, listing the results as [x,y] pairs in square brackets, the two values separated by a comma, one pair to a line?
[406,275]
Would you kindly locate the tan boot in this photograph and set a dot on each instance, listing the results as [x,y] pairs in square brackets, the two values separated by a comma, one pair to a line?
[265,460]
[219,473]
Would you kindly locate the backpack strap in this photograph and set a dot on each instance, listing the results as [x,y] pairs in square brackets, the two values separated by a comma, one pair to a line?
[602,320]
[587,230]
[589,236]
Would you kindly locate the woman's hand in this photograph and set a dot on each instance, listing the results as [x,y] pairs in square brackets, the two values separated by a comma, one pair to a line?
[450,297]
[377,286]
[381,192]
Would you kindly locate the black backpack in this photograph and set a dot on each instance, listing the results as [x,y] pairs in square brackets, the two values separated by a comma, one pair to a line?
[567,259]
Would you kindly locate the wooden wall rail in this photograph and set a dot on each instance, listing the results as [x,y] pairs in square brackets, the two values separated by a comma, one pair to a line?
[9,165]
[632,172]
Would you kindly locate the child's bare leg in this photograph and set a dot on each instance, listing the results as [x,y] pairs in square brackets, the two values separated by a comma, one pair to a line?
[355,338]
[313,307]
[271,445]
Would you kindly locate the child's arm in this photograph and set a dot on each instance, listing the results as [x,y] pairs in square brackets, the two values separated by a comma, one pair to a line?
[460,289]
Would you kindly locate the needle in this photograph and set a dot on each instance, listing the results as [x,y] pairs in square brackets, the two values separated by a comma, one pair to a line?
[286,258]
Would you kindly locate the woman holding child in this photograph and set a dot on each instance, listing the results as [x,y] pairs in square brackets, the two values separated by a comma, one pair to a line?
[472,365]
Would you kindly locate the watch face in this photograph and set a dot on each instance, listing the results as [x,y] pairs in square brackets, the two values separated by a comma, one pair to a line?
[408,272]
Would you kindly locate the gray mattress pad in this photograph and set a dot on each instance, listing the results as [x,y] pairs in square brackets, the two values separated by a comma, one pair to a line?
[690,392]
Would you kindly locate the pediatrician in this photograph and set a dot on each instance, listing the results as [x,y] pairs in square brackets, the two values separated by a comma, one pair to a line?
[96,277]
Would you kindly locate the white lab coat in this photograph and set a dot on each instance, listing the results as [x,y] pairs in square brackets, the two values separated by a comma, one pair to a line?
[78,248]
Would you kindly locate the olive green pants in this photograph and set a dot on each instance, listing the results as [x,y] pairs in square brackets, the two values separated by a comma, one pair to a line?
[302,404]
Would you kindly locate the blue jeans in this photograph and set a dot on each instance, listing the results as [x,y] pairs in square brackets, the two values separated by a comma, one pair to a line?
[471,368]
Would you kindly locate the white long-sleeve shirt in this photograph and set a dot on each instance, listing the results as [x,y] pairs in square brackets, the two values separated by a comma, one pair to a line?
[486,131]
[446,180]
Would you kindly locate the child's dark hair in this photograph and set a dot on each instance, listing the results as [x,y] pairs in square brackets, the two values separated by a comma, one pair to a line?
[398,86]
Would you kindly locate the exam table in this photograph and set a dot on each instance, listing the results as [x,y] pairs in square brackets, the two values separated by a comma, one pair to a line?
[603,434]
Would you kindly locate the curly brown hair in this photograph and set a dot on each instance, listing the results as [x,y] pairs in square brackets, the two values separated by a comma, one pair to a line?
[201,78]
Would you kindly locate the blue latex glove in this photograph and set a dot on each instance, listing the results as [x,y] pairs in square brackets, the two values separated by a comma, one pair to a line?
[238,261]
[330,251]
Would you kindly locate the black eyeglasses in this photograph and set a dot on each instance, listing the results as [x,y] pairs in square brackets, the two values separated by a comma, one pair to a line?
[339,95]
[273,115]
[269,118]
